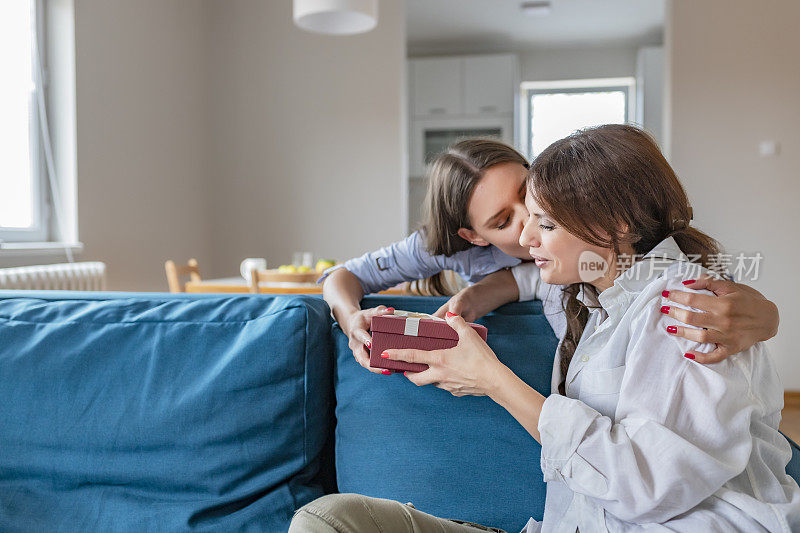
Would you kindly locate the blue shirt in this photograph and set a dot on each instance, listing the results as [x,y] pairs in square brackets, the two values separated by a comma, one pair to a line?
[409,260]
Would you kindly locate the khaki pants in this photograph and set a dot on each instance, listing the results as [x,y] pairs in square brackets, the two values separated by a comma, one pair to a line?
[354,513]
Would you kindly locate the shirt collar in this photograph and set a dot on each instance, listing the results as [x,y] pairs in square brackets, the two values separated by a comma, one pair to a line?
[647,268]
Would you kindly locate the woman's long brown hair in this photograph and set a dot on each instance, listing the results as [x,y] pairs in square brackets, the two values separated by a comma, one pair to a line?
[610,186]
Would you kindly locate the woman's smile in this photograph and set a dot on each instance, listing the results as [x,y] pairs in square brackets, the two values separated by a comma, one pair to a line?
[541,262]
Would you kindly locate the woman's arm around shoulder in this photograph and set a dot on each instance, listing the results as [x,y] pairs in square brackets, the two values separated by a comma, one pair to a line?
[733,316]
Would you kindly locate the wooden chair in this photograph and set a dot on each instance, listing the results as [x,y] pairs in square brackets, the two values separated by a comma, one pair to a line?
[254,280]
[176,272]
[305,284]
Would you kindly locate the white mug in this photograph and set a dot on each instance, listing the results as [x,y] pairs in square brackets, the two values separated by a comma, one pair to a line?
[250,264]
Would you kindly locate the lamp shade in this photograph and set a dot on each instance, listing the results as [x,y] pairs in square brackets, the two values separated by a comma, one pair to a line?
[336,17]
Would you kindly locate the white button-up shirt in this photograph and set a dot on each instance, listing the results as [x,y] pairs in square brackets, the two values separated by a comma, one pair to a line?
[648,439]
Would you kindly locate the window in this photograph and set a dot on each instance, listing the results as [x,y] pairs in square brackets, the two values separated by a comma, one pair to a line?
[553,110]
[23,212]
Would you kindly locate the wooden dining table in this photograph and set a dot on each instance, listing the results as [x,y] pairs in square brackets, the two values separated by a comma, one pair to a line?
[239,285]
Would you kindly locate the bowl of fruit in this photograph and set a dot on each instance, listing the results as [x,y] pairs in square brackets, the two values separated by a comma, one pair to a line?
[297,274]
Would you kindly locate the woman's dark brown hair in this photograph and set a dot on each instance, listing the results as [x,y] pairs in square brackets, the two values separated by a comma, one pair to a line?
[610,186]
[453,176]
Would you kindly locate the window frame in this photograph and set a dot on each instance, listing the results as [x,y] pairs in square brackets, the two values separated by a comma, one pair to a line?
[40,230]
[530,88]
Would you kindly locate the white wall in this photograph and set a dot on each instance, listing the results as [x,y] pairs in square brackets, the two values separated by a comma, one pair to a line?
[141,136]
[643,63]
[577,63]
[734,82]
[307,135]
[215,129]
[650,90]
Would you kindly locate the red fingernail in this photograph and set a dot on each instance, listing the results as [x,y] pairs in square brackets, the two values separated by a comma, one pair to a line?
[665,309]
[369,345]
[672,329]
[390,309]
[665,294]
[386,372]
[689,281]
[688,356]
[449,314]
[384,355]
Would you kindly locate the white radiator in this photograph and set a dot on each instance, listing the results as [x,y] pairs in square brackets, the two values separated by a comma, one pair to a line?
[86,276]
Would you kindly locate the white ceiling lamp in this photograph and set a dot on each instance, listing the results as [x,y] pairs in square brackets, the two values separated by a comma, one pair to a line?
[536,9]
[336,17]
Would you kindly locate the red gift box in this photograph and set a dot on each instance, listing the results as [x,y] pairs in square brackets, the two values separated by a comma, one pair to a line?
[411,330]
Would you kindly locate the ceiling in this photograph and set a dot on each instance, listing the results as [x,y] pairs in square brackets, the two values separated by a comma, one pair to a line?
[470,26]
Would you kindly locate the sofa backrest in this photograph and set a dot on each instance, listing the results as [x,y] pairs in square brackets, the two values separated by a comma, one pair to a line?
[127,411]
[464,458]
[154,412]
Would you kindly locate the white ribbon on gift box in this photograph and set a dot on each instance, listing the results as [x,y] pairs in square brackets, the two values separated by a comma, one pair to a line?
[412,321]
[412,326]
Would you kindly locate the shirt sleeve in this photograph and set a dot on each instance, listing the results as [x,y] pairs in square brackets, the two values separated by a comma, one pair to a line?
[409,260]
[681,429]
[530,284]
[528,280]
[532,287]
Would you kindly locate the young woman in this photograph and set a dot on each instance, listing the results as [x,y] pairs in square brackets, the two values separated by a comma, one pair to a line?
[475,213]
[642,437]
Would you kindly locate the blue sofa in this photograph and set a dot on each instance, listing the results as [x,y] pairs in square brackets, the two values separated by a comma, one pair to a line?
[160,412]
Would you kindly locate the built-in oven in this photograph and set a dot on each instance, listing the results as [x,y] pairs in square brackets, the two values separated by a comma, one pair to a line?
[430,137]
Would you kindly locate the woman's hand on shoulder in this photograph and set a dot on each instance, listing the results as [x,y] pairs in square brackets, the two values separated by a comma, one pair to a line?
[734,318]
[356,327]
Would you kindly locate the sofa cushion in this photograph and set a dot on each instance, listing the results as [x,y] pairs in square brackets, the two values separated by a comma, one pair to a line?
[126,412]
[793,468]
[463,458]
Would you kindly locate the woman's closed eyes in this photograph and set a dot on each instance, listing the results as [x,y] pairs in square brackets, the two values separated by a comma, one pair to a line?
[507,219]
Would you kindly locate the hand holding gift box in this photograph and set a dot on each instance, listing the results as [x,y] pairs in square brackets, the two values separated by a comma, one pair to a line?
[411,330]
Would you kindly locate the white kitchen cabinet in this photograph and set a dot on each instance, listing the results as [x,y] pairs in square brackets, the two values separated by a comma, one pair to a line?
[463,85]
[437,86]
[489,84]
